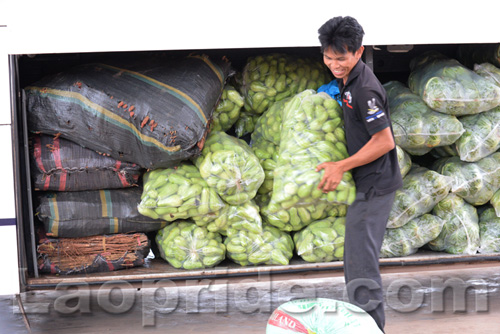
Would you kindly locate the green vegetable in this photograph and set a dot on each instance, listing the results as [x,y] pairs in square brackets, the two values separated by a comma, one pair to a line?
[228,109]
[489,72]
[422,189]
[185,245]
[294,218]
[460,233]
[229,166]
[495,202]
[476,182]
[450,87]
[407,239]
[178,193]
[271,246]
[274,77]
[404,161]
[322,240]
[234,218]
[301,151]
[481,137]
[417,128]
[489,231]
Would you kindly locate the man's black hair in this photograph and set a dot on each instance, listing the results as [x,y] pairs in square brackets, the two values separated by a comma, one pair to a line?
[341,34]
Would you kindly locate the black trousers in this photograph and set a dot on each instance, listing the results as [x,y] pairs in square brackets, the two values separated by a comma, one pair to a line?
[366,222]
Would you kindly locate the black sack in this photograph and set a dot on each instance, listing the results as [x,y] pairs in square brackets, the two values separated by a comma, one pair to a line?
[62,165]
[154,113]
[73,214]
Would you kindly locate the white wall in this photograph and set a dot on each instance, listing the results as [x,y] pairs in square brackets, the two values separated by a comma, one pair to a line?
[115,25]
[9,277]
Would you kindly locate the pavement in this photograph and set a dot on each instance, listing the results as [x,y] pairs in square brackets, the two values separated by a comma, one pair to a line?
[452,298]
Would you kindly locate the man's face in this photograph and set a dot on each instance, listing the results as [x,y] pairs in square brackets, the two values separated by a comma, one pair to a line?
[341,64]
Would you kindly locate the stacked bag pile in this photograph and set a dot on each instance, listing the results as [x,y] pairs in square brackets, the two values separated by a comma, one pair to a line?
[222,166]
[95,129]
[449,114]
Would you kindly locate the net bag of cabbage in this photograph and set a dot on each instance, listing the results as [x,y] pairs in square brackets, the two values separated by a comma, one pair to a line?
[449,87]
[320,316]
[418,128]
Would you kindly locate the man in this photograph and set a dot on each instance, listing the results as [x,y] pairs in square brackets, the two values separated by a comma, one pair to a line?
[373,162]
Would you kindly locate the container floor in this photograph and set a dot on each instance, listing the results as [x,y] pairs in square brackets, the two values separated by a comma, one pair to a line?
[416,302]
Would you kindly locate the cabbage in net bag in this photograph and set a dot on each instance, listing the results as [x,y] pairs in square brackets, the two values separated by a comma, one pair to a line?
[407,239]
[450,87]
[489,72]
[489,232]
[481,137]
[230,167]
[476,182]
[418,128]
[404,161]
[495,202]
[320,316]
[312,133]
[422,189]
[460,233]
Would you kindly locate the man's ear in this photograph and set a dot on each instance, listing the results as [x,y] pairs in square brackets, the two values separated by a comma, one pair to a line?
[359,52]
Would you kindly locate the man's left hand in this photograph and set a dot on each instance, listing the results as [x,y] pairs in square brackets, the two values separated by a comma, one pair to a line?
[331,177]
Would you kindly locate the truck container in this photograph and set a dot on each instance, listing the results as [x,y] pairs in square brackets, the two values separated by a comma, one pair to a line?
[38,39]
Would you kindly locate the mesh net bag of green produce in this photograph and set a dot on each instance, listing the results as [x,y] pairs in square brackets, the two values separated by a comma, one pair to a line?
[322,240]
[404,161]
[312,133]
[320,316]
[422,189]
[476,182]
[444,152]
[489,231]
[295,218]
[185,245]
[273,77]
[418,128]
[234,218]
[271,246]
[229,166]
[450,87]
[178,193]
[407,239]
[460,233]
[267,152]
[269,124]
[481,137]
[489,72]
[495,202]
[245,124]
[228,109]
[265,142]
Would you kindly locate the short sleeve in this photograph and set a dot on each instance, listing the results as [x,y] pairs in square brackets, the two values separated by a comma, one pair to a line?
[372,111]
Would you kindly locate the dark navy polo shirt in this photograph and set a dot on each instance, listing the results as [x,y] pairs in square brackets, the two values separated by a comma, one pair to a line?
[366,112]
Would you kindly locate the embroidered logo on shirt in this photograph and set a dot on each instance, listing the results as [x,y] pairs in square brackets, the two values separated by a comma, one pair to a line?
[347,99]
[374,111]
